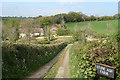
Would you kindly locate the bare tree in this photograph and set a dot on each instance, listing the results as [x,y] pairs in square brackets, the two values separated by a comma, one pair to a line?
[63,24]
[26,28]
[4,32]
[48,34]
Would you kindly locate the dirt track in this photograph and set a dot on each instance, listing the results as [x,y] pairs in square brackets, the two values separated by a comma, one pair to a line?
[64,71]
[44,69]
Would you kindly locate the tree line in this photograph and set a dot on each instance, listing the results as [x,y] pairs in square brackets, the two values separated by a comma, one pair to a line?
[77,17]
[11,25]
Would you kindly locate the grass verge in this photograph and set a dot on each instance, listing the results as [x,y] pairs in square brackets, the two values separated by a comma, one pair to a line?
[53,71]
[73,62]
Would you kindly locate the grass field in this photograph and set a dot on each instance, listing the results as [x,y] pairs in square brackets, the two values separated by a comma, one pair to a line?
[98,26]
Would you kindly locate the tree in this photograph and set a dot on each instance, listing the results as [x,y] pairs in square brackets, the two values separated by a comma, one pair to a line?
[116,16]
[48,34]
[63,24]
[96,17]
[13,29]
[26,27]
[62,32]
[0,32]
[44,23]
[92,17]
[74,16]
[4,32]
[40,16]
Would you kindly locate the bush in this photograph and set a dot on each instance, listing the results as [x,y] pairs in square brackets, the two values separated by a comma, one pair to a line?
[19,60]
[115,37]
[42,42]
[80,34]
[62,32]
[86,55]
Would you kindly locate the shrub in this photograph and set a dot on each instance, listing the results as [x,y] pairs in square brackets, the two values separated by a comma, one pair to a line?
[115,37]
[19,60]
[42,42]
[80,34]
[86,55]
[62,32]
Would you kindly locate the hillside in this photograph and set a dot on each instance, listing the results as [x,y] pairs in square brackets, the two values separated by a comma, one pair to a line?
[98,26]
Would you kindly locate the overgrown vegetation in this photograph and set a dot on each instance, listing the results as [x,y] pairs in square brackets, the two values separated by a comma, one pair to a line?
[42,42]
[84,55]
[11,30]
[63,32]
[19,60]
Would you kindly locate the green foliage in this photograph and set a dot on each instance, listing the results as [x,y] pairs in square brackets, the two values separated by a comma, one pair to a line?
[75,59]
[92,18]
[4,31]
[27,26]
[45,21]
[87,54]
[117,37]
[62,32]
[49,34]
[80,33]
[13,29]
[42,42]
[77,36]
[78,17]
[71,41]
[19,60]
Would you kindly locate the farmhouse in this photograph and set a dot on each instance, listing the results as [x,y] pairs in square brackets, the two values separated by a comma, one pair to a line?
[38,31]
[34,32]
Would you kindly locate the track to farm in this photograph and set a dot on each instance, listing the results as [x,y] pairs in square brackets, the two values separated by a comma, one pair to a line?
[63,71]
[43,70]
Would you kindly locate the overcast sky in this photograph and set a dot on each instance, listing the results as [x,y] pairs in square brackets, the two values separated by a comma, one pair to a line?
[47,8]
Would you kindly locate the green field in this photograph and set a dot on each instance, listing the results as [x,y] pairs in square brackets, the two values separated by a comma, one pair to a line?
[98,26]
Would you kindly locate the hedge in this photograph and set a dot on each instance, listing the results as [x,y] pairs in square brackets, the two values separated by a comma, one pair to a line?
[62,32]
[84,57]
[19,60]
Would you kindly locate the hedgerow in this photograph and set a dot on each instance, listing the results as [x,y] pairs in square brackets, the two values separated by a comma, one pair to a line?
[19,60]
[86,55]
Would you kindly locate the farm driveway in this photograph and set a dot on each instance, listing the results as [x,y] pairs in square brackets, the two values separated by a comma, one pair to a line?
[43,70]
[63,71]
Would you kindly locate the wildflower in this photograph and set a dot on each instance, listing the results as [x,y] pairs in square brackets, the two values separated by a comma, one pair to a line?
[92,52]
[99,41]
[108,41]
[104,41]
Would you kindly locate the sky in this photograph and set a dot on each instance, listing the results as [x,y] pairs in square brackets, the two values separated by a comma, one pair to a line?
[34,8]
